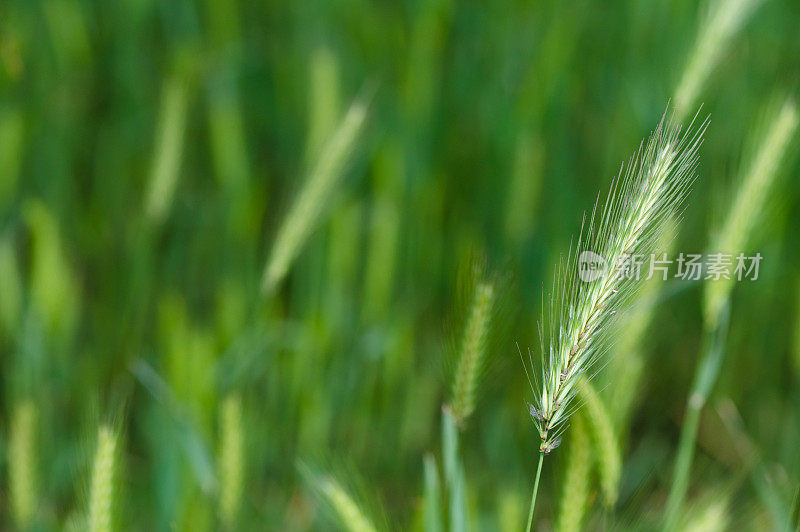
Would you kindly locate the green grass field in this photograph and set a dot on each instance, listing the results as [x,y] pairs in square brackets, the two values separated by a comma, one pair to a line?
[272,265]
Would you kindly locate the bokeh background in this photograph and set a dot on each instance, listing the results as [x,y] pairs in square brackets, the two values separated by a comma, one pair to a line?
[151,152]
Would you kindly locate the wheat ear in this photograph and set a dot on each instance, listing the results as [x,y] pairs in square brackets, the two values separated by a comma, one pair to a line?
[647,193]
[101,496]
[230,460]
[21,465]
[473,351]
[348,511]
[641,201]
[169,149]
[312,199]
[715,34]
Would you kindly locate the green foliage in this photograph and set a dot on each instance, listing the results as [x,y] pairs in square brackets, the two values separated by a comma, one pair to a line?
[238,228]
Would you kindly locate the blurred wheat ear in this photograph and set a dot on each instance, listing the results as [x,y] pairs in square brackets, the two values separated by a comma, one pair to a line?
[21,464]
[346,505]
[473,351]
[101,495]
[169,150]
[231,467]
[486,311]
[649,191]
[724,20]
[326,172]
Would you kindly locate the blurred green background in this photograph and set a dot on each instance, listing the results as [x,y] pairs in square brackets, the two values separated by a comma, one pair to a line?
[151,151]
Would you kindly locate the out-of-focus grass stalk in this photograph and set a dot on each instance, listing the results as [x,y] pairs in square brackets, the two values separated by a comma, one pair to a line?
[471,359]
[12,140]
[510,511]
[710,516]
[426,43]
[575,494]
[473,351]
[714,35]
[188,357]
[226,129]
[628,362]
[10,287]
[607,455]
[324,100]
[101,494]
[22,464]
[348,511]
[795,511]
[309,205]
[345,236]
[523,192]
[796,333]
[454,473]
[231,460]
[169,149]
[68,31]
[769,492]
[54,290]
[732,237]
[384,232]
[743,215]
[432,511]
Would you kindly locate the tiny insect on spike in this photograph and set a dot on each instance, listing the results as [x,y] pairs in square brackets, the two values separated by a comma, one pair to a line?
[535,413]
[547,446]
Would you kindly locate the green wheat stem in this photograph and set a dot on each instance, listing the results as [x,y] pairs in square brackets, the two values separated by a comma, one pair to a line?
[707,371]
[535,491]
